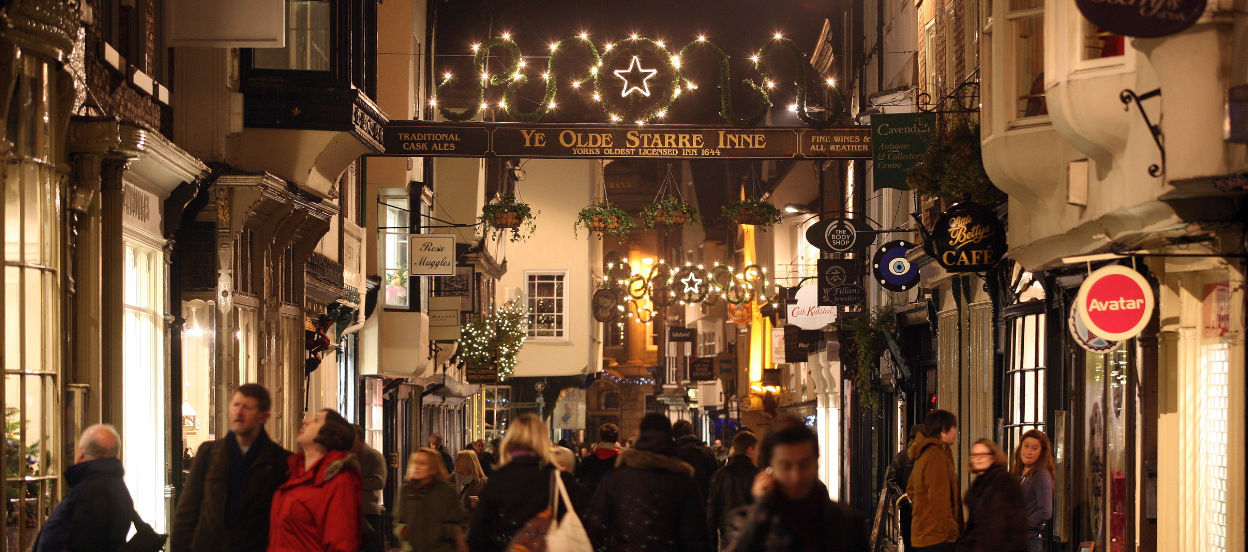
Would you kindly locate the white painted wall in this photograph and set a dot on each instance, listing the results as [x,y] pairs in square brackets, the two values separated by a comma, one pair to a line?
[558,189]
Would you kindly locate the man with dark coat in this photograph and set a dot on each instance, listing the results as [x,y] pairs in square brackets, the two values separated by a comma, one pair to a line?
[730,486]
[791,509]
[650,501]
[95,515]
[436,443]
[484,456]
[226,498]
[372,482]
[602,460]
[693,452]
[899,475]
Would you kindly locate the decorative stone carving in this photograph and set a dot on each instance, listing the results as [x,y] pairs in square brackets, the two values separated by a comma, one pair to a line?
[49,27]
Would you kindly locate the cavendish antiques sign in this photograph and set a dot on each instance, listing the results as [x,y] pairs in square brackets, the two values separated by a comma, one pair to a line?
[966,238]
[1142,18]
[606,141]
[897,142]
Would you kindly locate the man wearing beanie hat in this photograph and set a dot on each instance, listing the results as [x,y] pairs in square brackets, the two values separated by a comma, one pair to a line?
[649,488]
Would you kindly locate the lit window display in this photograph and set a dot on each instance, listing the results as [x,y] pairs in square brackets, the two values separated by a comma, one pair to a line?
[143,407]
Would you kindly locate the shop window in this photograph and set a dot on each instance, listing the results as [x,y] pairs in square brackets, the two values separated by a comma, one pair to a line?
[247,337]
[1025,377]
[1108,459]
[1026,24]
[32,333]
[395,228]
[307,39]
[545,294]
[708,344]
[497,410]
[198,366]
[348,378]
[1099,43]
[1215,406]
[143,389]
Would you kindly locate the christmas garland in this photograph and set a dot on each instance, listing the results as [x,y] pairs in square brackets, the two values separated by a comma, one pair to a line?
[496,340]
[640,108]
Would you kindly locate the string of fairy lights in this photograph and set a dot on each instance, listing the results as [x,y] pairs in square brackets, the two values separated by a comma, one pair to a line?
[637,80]
[641,295]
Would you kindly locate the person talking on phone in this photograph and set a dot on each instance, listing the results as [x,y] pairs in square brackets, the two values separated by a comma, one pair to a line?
[791,511]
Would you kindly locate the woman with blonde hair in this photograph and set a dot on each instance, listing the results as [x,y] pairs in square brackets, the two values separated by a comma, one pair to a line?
[469,478]
[518,490]
[429,515]
[994,504]
[1032,465]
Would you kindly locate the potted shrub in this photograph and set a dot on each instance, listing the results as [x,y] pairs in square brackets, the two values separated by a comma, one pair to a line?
[506,212]
[755,212]
[606,218]
[669,211]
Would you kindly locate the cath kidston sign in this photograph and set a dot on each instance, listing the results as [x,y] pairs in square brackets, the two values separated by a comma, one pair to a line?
[1115,302]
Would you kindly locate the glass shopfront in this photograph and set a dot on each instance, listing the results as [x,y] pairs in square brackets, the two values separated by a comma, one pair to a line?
[143,388]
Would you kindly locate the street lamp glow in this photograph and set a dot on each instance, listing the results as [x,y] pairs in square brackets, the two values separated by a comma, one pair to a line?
[777,36]
[554,46]
[701,38]
[584,35]
[633,36]
[754,58]
[476,47]
[506,36]
[831,81]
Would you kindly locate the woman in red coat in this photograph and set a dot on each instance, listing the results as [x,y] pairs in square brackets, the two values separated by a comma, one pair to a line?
[318,508]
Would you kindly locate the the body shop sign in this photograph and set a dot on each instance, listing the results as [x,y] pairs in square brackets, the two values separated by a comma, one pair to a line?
[807,314]
[1115,302]
[966,238]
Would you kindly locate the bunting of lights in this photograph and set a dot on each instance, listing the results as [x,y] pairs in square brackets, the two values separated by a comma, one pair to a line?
[637,79]
[640,296]
[495,340]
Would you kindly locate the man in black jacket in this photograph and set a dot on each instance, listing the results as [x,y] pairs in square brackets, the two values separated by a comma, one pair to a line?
[696,454]
[791,509]
[484,456]
[95,515]
[602,460]
[730,486]
[226,498]
[650,501]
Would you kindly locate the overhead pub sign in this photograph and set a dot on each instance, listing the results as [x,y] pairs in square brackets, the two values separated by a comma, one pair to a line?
[605,141]
[967,238]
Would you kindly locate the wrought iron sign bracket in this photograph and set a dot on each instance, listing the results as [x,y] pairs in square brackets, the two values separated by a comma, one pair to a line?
[1127,96]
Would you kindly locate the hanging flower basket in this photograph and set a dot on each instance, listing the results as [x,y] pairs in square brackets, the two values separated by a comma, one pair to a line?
[606,218]
[507,213]
[670,211]
[754,212]
[952,168]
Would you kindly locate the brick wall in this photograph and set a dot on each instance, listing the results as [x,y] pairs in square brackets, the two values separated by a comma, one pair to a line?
[111,88]
[950,60]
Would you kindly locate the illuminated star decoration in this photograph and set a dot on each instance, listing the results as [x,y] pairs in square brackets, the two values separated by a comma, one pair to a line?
[692,283]
[634,69]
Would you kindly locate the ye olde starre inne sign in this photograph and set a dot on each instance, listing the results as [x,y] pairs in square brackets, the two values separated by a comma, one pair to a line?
[1115,302]
[966,238]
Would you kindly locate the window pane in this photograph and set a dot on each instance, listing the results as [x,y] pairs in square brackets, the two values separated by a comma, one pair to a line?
[307,39]
[1029,65]
[1099,43]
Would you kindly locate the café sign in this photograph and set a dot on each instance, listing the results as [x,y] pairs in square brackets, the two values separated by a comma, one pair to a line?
[966,238]
[607,141]
[1142,18]
[1115,302]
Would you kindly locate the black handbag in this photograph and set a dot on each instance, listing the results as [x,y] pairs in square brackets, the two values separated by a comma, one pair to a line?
[145,538]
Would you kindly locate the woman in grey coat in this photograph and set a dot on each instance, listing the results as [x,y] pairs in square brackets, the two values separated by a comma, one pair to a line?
[1033,466]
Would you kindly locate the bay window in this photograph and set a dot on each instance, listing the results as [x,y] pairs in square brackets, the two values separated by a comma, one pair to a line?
[395,227]
[1026,25]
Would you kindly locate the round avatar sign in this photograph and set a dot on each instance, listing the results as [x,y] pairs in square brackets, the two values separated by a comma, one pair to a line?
[1115,302]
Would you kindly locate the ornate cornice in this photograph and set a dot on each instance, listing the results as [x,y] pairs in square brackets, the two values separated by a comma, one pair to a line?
[45,26]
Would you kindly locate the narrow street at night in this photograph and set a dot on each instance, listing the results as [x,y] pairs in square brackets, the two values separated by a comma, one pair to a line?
[624,276]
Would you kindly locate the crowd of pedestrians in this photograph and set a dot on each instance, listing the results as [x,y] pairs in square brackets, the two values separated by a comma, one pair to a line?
[667,491]
[1008,504]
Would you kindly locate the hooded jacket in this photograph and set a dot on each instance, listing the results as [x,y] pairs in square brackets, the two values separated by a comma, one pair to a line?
[994,504]
[94,516]
[933,489]
[199,523]
[318,508]
[690,450]
[649,502]
[596,466]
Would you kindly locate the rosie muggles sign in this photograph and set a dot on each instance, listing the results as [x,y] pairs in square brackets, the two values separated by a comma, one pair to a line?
[966,238]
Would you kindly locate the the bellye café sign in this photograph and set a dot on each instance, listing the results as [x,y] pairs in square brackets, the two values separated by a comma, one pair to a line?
[966,238]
